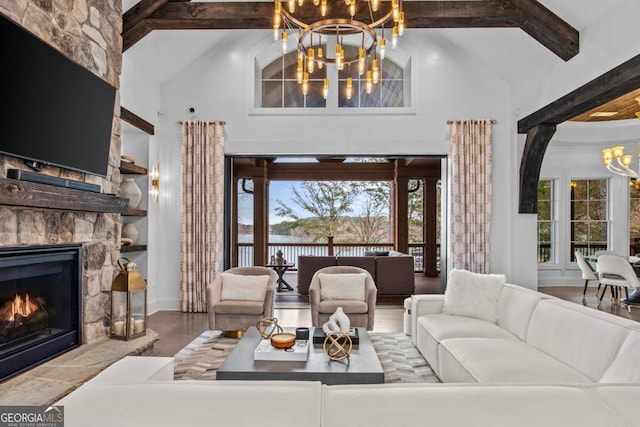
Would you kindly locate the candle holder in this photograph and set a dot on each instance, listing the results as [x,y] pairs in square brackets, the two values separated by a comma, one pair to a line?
[128,303]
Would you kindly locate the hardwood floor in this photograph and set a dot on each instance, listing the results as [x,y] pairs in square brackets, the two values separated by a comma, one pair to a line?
[178,329]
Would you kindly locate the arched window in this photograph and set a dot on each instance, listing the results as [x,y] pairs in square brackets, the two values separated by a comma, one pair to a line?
[280,88]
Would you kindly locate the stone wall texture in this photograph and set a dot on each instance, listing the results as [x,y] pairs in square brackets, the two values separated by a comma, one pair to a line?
[88,32]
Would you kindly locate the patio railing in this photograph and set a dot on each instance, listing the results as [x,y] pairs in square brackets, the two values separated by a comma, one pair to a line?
[291,251]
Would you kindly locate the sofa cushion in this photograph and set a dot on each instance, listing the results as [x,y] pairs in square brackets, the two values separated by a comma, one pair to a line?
[343,286]
[460,405]
[193,403]
[492,360]
[434,328]
[395,275]
[473,295]
[243,288]
[578,336]
[515,309]
[625,368]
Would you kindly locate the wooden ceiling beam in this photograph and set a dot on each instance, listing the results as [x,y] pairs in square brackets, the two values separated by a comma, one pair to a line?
[610,85]
[141,11]
[539,22]
[548,29]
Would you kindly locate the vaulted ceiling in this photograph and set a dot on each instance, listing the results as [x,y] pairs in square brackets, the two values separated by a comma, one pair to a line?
[529,15]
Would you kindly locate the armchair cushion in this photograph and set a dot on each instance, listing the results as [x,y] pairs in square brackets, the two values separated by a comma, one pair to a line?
[243,288]
[344,286]
[473,295]
[239,307]
[348,306]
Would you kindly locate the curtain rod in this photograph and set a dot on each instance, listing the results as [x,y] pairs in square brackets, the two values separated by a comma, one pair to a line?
[450,122]
[222,122]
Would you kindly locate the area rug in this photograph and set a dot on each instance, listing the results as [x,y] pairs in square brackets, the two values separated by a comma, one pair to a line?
[400,359]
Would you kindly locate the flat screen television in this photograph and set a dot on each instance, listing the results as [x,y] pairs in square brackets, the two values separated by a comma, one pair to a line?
[54,111]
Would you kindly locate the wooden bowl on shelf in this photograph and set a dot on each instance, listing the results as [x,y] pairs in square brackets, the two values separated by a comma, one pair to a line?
[283,340]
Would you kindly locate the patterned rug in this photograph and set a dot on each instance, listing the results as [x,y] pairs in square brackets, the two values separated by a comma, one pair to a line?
[400,359]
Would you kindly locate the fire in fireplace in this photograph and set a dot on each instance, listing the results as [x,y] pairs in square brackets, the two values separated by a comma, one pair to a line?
[22,316]
[40,306]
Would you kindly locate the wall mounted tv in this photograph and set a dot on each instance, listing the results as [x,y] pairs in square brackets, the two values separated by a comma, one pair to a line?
[54,111]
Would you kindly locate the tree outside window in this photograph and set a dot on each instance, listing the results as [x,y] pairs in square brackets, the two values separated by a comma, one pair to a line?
[546,222]
[589,223]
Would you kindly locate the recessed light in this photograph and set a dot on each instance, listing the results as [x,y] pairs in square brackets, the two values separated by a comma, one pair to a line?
[604,114]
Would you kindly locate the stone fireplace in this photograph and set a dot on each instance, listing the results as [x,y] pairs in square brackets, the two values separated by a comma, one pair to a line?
[88,32]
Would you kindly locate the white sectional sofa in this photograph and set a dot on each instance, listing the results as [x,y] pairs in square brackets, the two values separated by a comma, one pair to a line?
[543,362]
[535,339]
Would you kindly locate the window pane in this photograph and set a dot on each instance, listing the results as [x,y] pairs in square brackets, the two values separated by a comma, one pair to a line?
[391,95]
[290,66]
[579,210]
[589,206]
[546,223]
[597,189]
[598,232]
[544,210]
[544,190]
[271,94]
[634,219]
[273,70]
[315,98]
[579,190]
[390,70]
[369,99]
[598,210]
[293,96]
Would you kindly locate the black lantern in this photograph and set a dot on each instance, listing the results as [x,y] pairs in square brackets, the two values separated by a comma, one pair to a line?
[128,303]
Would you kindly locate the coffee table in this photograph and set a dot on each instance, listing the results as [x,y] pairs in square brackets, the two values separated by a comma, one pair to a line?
[362,366]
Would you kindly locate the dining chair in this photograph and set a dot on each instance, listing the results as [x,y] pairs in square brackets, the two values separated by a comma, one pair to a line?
[588,273]
[616,273]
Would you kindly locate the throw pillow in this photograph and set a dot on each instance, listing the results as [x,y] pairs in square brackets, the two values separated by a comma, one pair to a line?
[473,295]
[243,288]
[381,253]
[342,286]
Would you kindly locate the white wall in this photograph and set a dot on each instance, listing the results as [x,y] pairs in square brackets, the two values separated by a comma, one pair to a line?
[141,96]
[575,152]
[448,84]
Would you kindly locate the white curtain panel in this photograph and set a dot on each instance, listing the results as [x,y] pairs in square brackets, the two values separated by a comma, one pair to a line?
[470,178]
[202,211]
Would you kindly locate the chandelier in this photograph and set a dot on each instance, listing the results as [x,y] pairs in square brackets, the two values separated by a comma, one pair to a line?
[622,161]
[338,21]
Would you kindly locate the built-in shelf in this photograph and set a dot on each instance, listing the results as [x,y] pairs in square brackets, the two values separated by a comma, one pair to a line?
[132,168]
[136,212]
[133,248]
[14,192]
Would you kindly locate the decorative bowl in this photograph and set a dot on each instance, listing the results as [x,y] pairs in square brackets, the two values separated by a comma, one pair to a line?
[283,340]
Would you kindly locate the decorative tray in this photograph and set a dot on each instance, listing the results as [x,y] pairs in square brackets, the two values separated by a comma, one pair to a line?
[298,353]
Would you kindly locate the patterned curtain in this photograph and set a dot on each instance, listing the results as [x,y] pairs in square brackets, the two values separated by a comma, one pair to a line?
[470,178]
[202,210]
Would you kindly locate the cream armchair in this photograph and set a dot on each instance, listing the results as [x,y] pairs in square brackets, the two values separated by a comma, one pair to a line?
[239,298]
[359,302]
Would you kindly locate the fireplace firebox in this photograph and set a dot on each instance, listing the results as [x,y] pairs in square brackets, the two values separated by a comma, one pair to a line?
[40,304]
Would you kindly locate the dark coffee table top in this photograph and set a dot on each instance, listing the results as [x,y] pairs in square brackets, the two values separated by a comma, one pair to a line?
[362,366]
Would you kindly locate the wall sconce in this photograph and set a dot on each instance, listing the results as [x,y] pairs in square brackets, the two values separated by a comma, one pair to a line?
[155,183]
